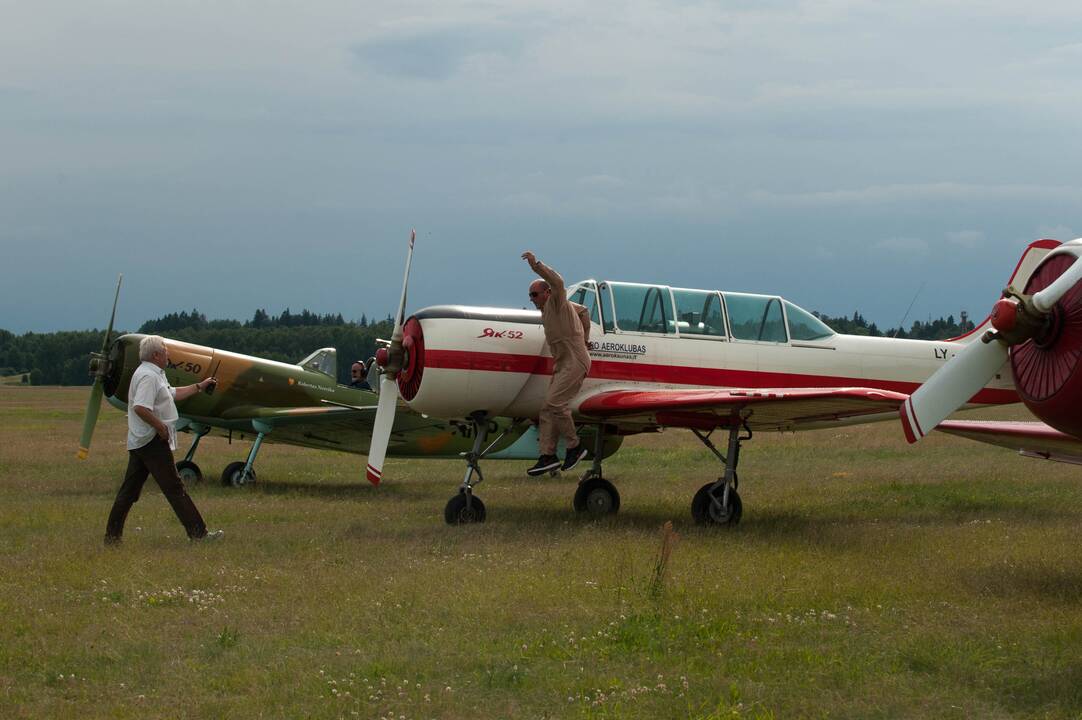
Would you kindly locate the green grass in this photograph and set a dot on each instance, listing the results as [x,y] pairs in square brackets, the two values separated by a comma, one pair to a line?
[868,579]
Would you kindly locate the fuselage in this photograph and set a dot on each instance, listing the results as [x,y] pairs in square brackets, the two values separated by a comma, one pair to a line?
[255,394]
[496,360]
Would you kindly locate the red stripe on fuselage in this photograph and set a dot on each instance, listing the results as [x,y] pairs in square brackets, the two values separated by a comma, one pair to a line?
[677,375]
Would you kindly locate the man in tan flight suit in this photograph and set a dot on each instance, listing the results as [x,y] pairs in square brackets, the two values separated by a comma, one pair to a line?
[567,331]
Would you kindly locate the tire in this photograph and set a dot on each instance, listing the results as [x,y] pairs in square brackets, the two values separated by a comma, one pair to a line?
[598,497]
[706,512]
[231,476]
[190,474]
[457,513]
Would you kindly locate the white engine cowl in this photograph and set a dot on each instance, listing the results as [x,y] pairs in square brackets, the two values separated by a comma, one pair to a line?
[465,359]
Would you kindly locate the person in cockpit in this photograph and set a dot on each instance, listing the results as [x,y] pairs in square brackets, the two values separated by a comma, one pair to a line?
[358,376]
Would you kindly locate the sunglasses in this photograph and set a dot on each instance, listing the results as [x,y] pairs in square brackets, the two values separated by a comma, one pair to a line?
[536,293]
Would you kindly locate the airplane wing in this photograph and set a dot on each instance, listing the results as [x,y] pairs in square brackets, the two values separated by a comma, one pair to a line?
[308,415]
[349,428]
[761,409]
[1032,439]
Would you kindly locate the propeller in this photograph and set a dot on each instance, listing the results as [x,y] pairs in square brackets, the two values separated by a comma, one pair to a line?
[99,367]
[390,360]
[1016,318]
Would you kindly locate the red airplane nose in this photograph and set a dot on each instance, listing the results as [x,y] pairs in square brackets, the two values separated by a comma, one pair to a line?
[1004,315]
[382,356]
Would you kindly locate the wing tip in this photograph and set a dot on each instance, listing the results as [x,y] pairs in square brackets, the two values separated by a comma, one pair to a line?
[83,452]
[374,475]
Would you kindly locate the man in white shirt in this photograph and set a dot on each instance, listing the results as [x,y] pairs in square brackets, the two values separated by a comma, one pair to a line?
[152,438]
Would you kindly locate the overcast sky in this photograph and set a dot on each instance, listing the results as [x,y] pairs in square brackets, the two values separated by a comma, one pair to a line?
[235,155]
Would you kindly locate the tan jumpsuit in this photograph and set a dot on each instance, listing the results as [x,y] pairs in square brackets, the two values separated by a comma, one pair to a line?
[567,331]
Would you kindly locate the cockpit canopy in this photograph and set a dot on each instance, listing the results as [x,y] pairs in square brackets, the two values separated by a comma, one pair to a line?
[621,307]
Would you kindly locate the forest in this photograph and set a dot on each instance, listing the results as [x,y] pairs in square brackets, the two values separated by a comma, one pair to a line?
[61,358]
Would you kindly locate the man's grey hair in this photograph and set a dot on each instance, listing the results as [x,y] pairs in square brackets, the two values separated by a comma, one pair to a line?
[150,345]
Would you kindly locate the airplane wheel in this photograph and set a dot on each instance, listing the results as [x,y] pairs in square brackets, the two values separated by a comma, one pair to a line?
[597,497]
[233,475]
[457,513]
[706,512]
[189,473]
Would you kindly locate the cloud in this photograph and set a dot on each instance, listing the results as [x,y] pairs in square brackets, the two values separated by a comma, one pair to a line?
[966,238]
[421,52]
[1056,232]
[901,246]
[602,181]
[883,194]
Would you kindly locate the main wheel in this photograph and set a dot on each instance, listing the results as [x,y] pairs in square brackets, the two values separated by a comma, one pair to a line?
[597,497]
[233,475]
[189,473]
[707,512]
[458,513]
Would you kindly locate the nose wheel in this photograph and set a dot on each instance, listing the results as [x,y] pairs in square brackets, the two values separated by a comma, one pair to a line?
[465,508]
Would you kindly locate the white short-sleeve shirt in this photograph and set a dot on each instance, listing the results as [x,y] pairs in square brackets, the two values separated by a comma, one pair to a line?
[150,389]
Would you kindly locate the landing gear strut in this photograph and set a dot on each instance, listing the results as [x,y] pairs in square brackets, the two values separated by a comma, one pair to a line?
[189,472]
[596,495]
[240,473]
[465,507]
[718,503]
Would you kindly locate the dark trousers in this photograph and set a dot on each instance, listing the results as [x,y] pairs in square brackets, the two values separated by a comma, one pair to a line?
[154,458]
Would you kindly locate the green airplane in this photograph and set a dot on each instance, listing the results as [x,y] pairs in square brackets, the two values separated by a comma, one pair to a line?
[303,404]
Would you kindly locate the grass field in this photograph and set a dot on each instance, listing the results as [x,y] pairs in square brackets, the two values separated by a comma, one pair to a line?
[867,579]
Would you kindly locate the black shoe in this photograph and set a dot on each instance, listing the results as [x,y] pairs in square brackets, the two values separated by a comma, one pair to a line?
[572,457]
[545,463]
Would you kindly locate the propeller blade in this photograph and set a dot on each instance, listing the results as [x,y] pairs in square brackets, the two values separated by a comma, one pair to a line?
[381,430]
[951,386]
[93,406]
[112,316]
[1045,299]
[388,384]
[400,316]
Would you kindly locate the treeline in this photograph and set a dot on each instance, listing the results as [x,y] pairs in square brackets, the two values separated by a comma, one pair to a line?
[61,358]
[196,320]
[940,329]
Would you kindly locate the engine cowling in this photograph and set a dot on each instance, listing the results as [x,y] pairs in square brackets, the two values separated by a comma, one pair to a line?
[459,359]
[1048,368]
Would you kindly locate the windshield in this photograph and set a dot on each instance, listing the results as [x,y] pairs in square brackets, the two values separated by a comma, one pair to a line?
[805,326]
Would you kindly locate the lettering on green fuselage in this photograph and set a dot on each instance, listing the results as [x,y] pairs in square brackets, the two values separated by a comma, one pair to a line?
[313,386]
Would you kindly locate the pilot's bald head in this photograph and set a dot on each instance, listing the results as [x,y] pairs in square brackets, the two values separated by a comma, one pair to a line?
[539,293]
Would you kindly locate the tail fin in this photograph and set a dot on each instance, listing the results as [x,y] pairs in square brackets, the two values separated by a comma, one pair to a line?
[1031,258]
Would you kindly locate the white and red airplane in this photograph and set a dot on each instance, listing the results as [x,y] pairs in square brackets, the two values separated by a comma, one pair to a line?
[1036,330]
[662,357]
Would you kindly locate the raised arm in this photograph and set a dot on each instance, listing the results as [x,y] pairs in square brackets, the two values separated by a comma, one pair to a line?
[556,283]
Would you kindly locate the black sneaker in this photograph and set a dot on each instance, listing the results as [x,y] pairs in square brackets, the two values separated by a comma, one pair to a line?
[572,457]
[545,463]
